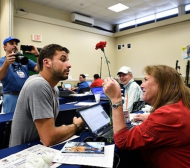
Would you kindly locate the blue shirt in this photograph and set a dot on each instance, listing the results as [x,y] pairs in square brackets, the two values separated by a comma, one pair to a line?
[12,82]
[15,78]
[82,85]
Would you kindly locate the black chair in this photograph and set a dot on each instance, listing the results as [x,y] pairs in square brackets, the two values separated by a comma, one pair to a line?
[5,134]
[86,89]
[137,106]
[139,82]
[66,117]
[83,90]
[65,93]
[60,88]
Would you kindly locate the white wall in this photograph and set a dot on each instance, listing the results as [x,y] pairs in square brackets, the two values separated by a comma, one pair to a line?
[156,43]
[161,45]
[84,58]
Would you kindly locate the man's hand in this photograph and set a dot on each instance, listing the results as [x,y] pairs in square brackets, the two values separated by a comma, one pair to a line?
[140,117]
[10,58]
[79,122]
[33,51]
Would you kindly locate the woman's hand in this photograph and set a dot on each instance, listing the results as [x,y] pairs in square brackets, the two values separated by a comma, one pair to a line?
[140,117]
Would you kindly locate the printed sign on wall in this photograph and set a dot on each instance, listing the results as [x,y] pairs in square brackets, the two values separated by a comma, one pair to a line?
[185,52]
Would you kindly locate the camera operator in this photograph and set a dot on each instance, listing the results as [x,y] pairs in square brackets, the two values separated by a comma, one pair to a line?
[13,73]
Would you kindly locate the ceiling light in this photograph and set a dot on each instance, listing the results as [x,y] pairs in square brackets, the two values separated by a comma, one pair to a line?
[167,13]
[127,24]
[145,19]
[187,7]
[118,7]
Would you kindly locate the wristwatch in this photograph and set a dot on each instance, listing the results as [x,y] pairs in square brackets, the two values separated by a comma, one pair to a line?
[116,105]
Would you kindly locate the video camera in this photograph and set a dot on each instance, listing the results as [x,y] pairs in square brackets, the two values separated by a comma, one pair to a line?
[21,58]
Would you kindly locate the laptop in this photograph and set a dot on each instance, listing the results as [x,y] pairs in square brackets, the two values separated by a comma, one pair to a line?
[99,90]
[89,82]
[97,121]
[67,85]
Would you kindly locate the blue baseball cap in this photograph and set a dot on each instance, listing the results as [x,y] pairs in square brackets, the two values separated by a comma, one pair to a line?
[9,39]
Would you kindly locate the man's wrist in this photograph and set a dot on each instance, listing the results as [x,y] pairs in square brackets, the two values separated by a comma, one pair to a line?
[76,126]
[37,56]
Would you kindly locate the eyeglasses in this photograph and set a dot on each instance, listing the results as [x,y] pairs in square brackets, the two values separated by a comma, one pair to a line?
[122,75]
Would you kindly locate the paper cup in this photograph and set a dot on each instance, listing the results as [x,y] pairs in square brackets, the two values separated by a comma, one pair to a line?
[97,97]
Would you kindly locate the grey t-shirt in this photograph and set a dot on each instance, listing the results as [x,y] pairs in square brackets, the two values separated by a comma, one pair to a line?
[37,100]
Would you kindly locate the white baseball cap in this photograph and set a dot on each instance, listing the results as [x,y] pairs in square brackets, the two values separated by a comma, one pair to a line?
[124,69]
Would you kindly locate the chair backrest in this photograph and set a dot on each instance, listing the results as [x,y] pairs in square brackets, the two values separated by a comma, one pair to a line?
[86,89]
[139,82]
[64,93]
[138,105]
[6,135]
[60,87]
[83,90]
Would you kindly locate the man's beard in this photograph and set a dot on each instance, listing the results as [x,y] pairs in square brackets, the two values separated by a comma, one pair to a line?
[59,75]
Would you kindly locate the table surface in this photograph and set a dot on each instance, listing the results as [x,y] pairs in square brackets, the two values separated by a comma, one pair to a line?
[8,151]
[9,116]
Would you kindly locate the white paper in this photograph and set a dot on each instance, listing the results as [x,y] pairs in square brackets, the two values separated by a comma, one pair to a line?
[79,95]
[19,159]
[86,103]
[104,161]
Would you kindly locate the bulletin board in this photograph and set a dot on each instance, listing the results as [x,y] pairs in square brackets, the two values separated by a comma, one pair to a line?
[33,58]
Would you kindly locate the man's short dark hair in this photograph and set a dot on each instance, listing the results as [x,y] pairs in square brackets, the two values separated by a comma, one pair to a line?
[83,75]
[96,76]
[48,52]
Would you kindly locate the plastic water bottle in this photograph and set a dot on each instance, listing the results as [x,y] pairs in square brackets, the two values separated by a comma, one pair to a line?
[126,115]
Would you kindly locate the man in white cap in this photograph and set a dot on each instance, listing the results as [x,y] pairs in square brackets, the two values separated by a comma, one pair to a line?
[133,91]
[13,74]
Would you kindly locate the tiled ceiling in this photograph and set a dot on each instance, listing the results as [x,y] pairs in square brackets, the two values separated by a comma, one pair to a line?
[98,9]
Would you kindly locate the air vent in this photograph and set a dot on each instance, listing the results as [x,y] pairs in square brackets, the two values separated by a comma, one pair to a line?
[82,20]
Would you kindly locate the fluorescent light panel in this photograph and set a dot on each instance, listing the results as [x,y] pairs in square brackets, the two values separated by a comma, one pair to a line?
[127,24]
[152,17]
[145,19]
[187,7]
[167,13]
[118,7]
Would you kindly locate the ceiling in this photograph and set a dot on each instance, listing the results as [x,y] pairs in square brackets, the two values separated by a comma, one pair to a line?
[98,9]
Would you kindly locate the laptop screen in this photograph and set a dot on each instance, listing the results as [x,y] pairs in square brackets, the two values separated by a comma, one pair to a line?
[98,90]
[67,85]
[89,82]
[95,117]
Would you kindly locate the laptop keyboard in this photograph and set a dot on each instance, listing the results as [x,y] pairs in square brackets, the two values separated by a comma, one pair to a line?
[107,133]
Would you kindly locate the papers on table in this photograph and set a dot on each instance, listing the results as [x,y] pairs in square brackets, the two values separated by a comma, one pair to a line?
[19,159]
[79,95]
[86,103]
[104,161]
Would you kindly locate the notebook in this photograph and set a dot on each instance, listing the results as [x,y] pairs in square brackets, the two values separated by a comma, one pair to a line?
[97,121]
[99,90]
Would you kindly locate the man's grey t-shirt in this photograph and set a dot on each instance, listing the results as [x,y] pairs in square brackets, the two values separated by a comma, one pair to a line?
[37,100]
